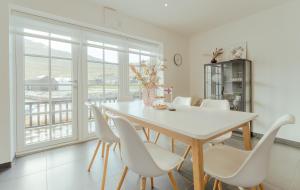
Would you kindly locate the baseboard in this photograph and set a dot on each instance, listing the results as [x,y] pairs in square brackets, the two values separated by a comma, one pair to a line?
[5,166]
[290,143]
[294,144]
[269,186]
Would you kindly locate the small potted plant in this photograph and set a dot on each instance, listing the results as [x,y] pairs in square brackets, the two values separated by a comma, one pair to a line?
[216,54]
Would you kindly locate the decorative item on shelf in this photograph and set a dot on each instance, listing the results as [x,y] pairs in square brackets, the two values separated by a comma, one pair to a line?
[237,52]
[177,59]
[236,102]
[216,54]
[149,80]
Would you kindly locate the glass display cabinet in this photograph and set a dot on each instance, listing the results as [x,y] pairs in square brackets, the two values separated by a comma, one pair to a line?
[230,80]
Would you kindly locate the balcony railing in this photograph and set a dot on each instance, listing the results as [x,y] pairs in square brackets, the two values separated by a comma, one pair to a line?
[37,113]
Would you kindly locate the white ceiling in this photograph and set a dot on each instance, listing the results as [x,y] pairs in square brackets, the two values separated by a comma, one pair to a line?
[189,16]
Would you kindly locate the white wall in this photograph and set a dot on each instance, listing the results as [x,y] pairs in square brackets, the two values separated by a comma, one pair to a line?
[273,38]
[5,131]
[90,14]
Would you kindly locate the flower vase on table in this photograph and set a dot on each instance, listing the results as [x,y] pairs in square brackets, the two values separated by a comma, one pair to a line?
[148,95]
[147,75]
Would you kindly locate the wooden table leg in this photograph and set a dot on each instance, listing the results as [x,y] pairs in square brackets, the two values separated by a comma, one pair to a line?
[198,173]
[247,137]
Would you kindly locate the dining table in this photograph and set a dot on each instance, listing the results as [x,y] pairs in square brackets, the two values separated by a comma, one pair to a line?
[192,125]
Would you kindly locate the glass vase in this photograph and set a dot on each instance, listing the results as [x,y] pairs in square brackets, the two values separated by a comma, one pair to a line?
[148,96]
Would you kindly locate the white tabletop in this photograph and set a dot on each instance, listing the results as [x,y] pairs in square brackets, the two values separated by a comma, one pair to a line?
[190,121]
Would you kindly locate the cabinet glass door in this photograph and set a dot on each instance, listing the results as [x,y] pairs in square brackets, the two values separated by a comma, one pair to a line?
[234,85]
[213,81]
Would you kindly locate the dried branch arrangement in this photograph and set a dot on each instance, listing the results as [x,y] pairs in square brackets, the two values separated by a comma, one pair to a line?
[148,75]
[216,54]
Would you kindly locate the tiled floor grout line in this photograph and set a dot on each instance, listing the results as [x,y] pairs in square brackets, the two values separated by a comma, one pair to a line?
[65,163]
[21,176]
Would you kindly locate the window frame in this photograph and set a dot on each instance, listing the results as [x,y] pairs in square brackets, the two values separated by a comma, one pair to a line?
[81,32]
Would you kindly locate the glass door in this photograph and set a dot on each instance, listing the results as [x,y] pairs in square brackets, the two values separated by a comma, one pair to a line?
[234,84]
[103,76]
[47,89]
[213,81]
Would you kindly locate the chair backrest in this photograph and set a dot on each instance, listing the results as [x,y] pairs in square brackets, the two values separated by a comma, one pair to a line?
[133,150]
[125,99]
[182,101]
[254,169]
[103,131]
[215,104]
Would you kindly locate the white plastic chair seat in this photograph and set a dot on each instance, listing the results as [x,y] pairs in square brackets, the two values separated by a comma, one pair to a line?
[242,168]
[221,161]
[164,159]
[110,140]
[221,139]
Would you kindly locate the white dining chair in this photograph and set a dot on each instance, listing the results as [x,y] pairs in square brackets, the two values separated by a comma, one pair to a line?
[182,101]
[217,105]
[246,169]
[105,136]
[136,126]
[178,101]
[146,159]
[212,105]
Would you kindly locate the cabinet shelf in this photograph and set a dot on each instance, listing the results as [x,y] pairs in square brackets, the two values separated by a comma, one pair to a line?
[233,81]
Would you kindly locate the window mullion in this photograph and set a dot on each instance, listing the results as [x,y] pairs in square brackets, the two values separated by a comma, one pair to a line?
[49,91]
[103,75]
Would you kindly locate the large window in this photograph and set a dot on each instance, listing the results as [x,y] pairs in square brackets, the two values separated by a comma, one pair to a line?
[60,66]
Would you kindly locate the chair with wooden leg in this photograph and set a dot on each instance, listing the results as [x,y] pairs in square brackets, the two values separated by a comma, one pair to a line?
[136,126]
[178,101]
[215,105]
[106,136]
[146,159]
[242,168]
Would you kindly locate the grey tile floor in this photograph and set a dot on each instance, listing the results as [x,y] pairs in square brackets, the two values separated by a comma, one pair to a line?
[65,169]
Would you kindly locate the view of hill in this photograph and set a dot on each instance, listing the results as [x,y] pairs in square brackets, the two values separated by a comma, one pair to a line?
[37,67]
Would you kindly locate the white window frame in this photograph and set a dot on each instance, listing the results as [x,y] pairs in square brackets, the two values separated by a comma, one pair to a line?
[19,57]
[82,134]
